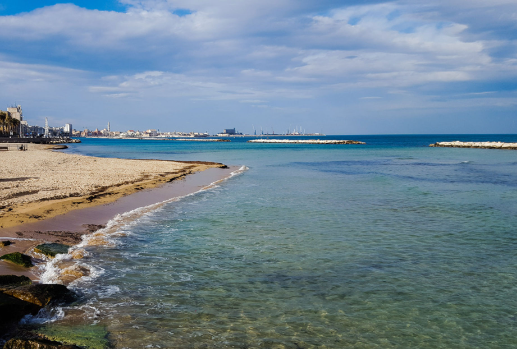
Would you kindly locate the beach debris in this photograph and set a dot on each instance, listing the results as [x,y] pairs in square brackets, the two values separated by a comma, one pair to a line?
[482,145]
[306,141]
[52,249]
[14,281]
[36,343]
[41,294]
[18,258]
[5,243]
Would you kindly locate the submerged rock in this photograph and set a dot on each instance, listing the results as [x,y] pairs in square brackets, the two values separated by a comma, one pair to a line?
[36,343]
[51,250]
[14,281]
[86,336]
[18,258]
[41,294]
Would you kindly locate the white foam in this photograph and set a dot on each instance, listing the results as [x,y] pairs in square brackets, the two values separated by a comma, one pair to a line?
[45,315]
[108,291]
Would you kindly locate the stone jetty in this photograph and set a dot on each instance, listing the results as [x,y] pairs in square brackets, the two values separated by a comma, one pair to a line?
[484,145]
[201,140]
[305,141]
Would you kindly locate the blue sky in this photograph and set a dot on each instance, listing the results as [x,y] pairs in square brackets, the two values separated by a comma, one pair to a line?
[338,67]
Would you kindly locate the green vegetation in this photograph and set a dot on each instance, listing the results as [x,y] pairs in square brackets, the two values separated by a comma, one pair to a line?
[88,336]
[18,258]
[51,250]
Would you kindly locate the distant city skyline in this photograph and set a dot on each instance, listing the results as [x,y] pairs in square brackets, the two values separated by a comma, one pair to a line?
[334,67]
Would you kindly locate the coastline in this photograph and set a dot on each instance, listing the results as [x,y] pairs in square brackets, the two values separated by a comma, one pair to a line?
[69,220]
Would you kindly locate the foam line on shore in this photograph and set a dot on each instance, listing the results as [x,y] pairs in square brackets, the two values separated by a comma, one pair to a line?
[55,270]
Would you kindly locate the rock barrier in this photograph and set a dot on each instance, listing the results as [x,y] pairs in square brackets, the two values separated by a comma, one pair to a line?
[483,145]
[305,141]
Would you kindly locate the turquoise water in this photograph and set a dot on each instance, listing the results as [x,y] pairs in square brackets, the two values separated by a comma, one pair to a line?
[388,245]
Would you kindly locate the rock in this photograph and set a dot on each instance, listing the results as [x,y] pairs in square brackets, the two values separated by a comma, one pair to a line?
[18,258]
[12,310]
[14,281]
[36,343]
[5,243]
[41,294]
[51,250]
[483,145]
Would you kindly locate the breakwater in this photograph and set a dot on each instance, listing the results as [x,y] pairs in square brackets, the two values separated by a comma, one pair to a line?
[484,145]
[305,141]
[201,140]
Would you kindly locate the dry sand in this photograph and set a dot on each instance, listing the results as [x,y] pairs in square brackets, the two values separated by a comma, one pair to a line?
[39,184]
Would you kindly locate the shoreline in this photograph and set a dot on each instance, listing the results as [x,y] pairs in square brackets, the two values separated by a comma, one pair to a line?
[71,227]
[80,221]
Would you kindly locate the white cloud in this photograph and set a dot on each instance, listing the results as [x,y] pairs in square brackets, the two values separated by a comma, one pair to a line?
[259,53]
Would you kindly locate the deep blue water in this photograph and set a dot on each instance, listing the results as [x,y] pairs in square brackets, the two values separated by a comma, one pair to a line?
[391,244]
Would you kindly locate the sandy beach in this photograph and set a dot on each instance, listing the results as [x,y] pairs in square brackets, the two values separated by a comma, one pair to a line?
[38,184]
[49,196]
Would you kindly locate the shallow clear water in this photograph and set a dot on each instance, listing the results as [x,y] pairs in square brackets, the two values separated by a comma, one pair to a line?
[389,245]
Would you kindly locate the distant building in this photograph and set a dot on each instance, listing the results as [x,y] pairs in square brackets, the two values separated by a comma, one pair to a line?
[16,112]
[229,132]
[151,133]
[67,130]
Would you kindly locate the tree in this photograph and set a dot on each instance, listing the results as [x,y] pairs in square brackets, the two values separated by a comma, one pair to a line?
[9,123]
[3,116]
[16,126]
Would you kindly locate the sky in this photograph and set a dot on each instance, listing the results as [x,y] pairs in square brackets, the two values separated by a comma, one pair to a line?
[336,67]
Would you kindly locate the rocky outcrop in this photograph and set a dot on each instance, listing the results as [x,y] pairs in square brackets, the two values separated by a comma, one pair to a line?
[18,258]
[51,250]
[14,281]
[12,310]
[306,141]
[40,294]
[36,343]
[19,297]
[483,145]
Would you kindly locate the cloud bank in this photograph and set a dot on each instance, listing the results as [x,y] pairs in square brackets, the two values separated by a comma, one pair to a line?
[332,66]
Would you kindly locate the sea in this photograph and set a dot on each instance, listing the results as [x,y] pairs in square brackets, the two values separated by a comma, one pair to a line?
[391,244]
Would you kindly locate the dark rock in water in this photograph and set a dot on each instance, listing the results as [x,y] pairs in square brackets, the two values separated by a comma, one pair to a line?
[18,258]
[52,250]
[14,281]
[36,343]
[56,147]
[12,310]
[5,243]
[41,294]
